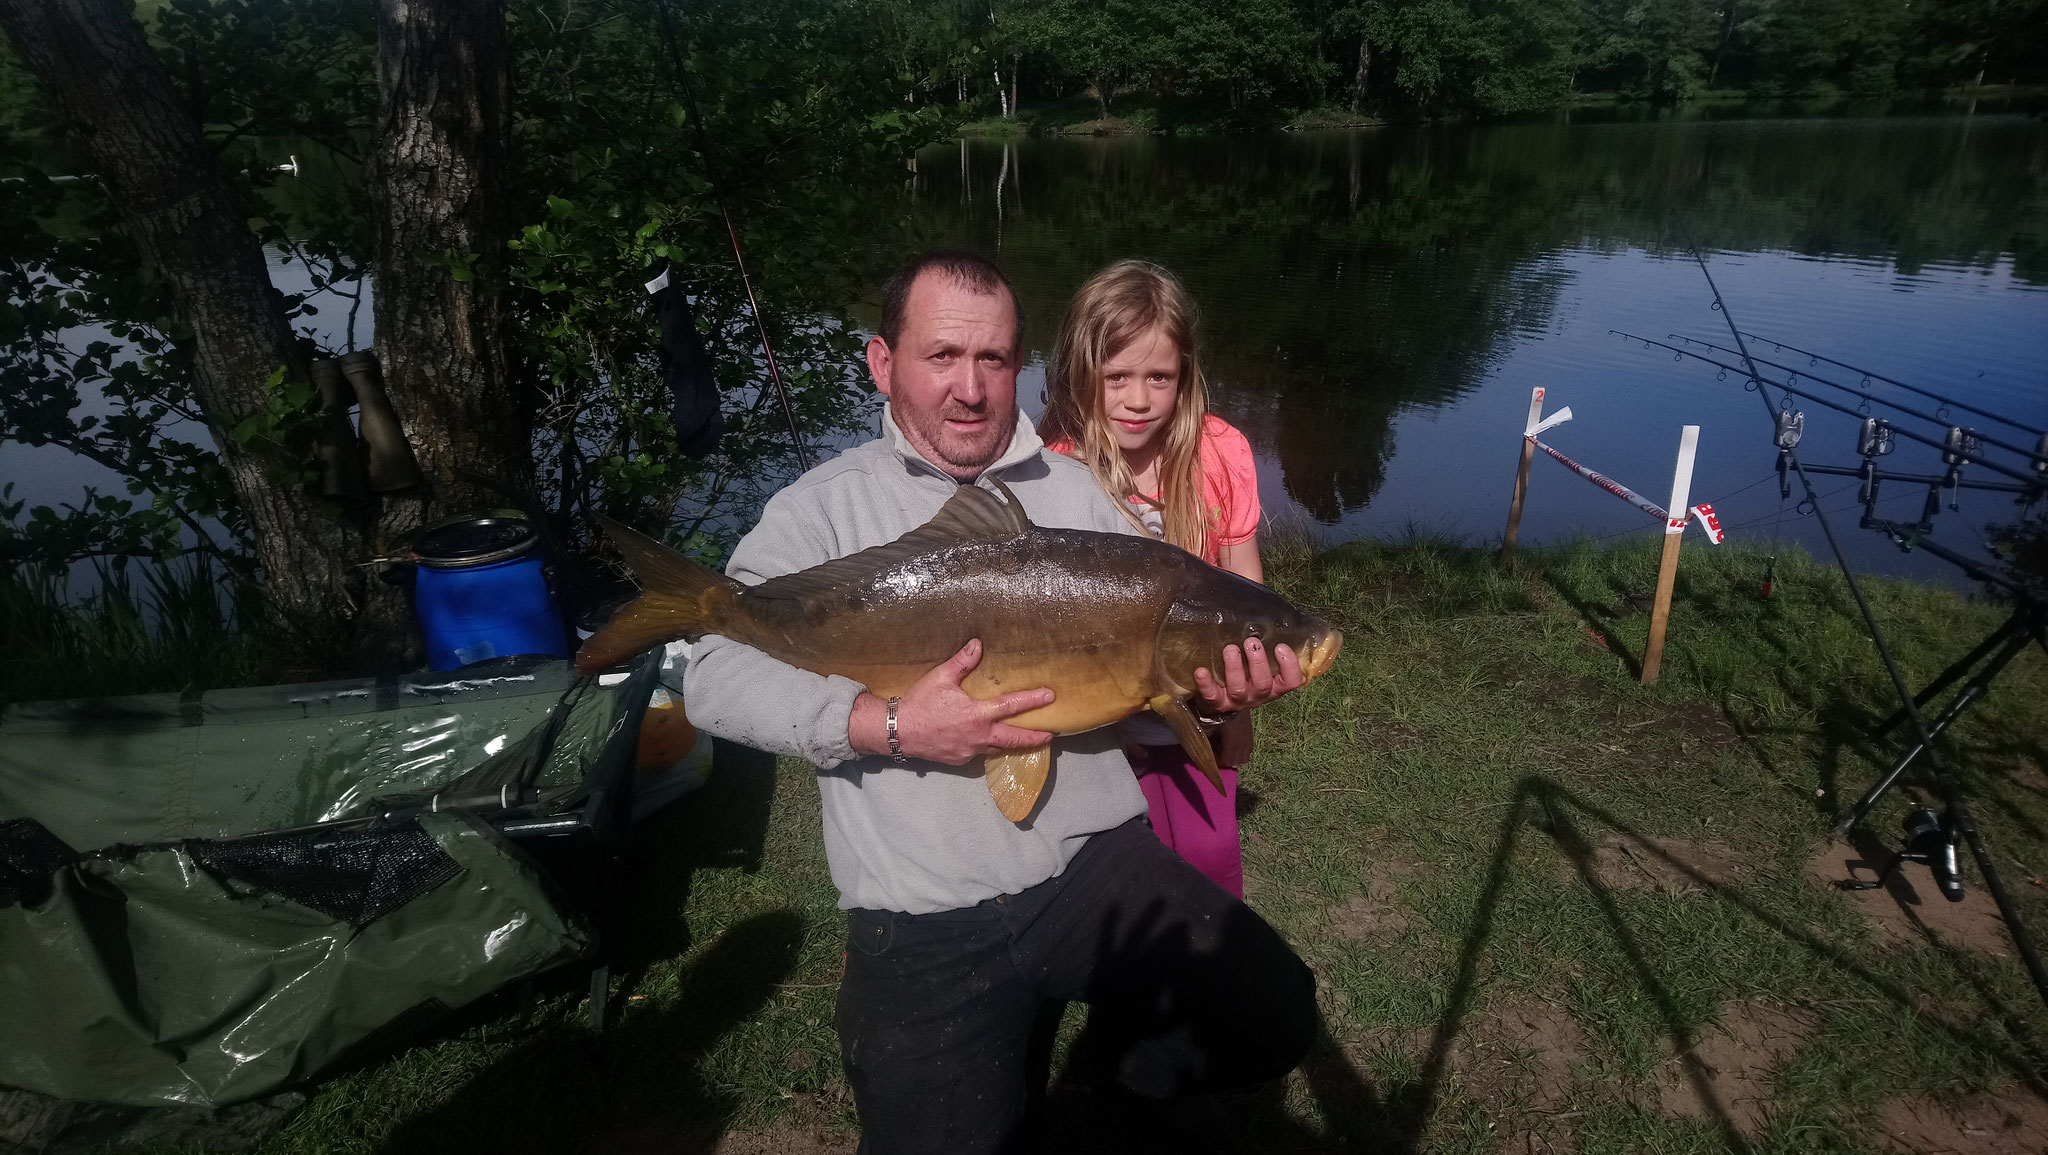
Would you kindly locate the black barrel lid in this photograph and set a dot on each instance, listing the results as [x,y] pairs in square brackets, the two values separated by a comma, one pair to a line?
[474,540]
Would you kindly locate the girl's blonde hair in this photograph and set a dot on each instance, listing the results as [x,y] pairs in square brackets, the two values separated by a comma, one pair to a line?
[1116,307]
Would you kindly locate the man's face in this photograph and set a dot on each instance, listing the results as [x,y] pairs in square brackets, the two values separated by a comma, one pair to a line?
[951,380]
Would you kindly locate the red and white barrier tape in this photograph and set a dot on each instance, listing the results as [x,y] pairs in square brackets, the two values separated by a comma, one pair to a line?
[1703,511]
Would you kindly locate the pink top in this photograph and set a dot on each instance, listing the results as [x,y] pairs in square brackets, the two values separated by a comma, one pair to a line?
[1230,485]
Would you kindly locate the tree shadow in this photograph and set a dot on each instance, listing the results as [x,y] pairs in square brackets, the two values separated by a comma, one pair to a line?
[723,825]
[638,1086]
[642,1070]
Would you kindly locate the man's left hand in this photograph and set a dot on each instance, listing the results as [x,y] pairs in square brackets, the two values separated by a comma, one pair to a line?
[1249,679]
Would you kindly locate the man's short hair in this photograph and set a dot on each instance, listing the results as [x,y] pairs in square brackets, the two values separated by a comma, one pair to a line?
[968,270]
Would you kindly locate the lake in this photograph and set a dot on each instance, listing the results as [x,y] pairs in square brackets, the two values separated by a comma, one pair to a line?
[1378,303]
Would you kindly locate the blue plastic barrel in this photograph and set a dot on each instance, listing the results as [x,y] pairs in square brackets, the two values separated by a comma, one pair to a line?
[481,593]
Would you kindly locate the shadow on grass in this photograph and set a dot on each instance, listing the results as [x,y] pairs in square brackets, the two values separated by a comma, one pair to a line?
[1598,619]
[1541,804]
[638,1085]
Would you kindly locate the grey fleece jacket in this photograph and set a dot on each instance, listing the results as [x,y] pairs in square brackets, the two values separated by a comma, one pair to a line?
[923,837]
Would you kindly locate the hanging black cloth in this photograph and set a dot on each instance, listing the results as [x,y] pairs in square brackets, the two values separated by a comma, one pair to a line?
[686,368]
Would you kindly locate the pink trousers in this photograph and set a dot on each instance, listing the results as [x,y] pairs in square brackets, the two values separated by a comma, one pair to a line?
[1190,816]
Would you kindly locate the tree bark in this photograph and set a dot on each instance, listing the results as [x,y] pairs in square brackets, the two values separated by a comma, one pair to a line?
[1727,29]
[1363,76]
[437,193]
[95,63]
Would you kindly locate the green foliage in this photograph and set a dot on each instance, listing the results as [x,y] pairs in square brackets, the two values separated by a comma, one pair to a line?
[612,183]
[1214,62]
[607,179]
[161,625]
[122,398]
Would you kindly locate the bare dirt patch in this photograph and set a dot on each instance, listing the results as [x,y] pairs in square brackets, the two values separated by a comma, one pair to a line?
[1517,1061]
[1910,909]
[1727,1072]
[2014,1122]
[1375,915]
[1671,865]
[790,1142]
[1522,1054]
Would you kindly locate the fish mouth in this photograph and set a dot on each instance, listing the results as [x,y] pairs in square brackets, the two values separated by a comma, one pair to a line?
[1320,653]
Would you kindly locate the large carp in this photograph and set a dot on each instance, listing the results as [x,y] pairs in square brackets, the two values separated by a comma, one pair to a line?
[1112,623]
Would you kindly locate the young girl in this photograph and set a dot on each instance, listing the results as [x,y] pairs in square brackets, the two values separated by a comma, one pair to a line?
[1125,395]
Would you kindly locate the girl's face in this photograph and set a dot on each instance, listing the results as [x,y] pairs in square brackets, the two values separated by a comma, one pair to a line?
[1140,385]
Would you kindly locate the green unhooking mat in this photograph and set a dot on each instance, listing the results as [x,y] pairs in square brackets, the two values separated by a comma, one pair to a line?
[204,901]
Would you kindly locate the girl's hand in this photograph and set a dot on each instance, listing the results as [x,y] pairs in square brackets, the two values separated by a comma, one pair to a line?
[1248,679]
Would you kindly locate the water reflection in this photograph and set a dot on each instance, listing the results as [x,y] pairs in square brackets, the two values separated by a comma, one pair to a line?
[1371,291]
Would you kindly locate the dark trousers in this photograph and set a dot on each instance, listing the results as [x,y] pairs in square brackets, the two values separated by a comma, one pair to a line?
[939,1015]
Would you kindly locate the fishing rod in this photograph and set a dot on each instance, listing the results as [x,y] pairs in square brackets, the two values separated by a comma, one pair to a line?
[1928,393]
[2039,453]
[739,260]
[1959,819]
[1959,448]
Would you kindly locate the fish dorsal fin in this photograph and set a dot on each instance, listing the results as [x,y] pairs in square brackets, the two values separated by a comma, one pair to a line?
[1016,778]
[1189,732]
[972,514]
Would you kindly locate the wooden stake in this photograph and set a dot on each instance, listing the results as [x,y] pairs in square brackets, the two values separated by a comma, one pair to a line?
[1507,540]
[1667,566]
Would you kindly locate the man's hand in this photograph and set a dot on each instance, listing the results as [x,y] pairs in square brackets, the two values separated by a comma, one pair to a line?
[939,722]
[1248,680]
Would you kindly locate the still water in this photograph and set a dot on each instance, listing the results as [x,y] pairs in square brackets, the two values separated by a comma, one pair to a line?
[1378,304]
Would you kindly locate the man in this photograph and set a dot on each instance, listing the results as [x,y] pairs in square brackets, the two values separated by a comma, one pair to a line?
[962,924]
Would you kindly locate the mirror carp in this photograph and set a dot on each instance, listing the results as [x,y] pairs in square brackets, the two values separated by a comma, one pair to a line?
[1112,623]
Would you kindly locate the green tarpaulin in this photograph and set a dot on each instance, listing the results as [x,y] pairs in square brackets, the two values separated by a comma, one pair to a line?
[204,900]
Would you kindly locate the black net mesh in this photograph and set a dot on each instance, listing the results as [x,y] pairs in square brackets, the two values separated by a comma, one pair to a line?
[352,876]
[29,854]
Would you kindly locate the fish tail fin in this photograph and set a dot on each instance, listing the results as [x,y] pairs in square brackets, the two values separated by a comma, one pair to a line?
[680,599]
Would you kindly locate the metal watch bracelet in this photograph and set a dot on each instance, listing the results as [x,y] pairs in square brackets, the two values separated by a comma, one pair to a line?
[895,742]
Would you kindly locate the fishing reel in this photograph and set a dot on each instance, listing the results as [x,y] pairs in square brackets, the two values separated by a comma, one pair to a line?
[1791,426]
[1873,440]
[1930,840]
[1958,445]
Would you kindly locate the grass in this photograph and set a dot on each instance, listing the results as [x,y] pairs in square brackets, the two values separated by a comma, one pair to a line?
[1332,116]
[996,126]
[171,625]
[1524,881]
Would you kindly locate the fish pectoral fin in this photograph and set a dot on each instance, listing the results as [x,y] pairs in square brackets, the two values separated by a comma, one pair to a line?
[1017,777]
[1189,731]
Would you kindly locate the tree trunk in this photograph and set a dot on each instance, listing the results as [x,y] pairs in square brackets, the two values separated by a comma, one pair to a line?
[1015,65]
[437,188]
[1363,76]
[437,204]
[1727,28]
[95,63]
[1102,86]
